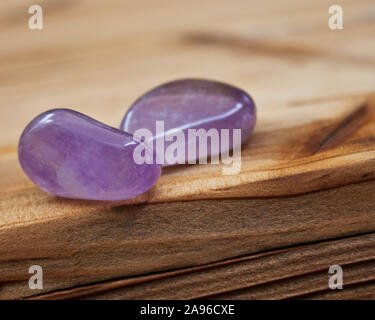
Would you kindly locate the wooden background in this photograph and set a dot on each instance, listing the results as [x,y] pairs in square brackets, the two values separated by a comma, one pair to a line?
[304,199]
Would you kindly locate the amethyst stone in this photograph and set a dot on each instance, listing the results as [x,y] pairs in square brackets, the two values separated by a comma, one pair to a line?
[71,155]
[191,104]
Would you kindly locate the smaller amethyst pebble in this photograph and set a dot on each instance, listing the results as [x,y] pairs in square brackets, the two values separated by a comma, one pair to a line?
[68,154]
[192,104]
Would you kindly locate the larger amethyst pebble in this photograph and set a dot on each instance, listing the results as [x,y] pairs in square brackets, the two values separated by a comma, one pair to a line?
[192,104]
[68,154]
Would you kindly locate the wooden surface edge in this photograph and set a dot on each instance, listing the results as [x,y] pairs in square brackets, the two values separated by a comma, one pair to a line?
[134,240]
[295,272]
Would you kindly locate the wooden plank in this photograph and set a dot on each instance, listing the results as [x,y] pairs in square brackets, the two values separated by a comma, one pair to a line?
[307,172]
[279,274]
[295,160]
[140,239]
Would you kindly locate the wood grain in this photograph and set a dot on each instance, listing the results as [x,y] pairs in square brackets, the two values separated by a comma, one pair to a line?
[288,273]
[140,239]
[307,172]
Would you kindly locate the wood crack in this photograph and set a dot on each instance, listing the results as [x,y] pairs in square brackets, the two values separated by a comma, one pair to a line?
[345,128]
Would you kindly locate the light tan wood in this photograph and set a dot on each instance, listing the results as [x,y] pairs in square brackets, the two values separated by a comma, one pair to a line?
[306,172]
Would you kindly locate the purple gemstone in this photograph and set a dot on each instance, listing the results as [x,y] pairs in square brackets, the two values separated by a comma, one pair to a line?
[192,104]
[68,154]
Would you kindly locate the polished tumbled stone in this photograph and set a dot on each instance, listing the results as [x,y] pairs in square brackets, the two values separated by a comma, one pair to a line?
[68,154]
[192,104]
